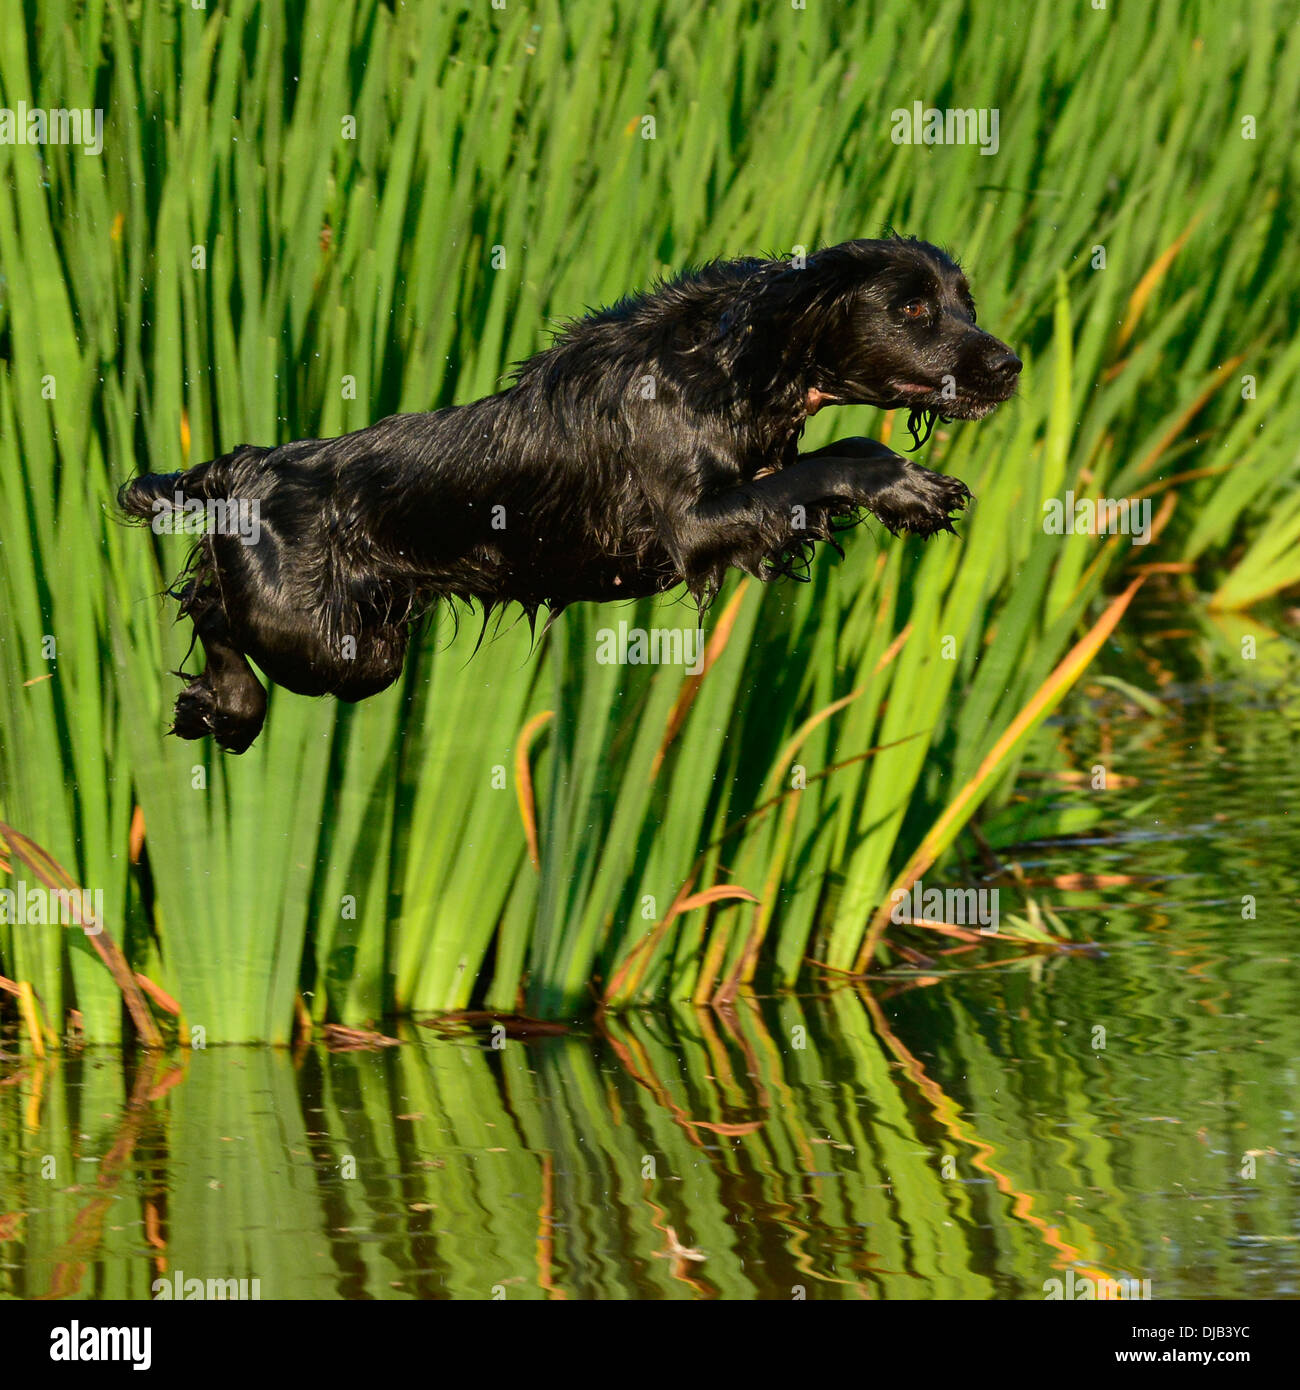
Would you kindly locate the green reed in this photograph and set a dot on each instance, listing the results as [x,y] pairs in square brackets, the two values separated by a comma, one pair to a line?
[235,266]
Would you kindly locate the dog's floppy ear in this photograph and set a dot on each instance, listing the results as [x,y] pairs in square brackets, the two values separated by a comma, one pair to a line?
[784,307]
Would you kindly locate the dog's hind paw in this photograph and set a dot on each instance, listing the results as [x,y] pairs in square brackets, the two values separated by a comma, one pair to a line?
[194,711]
[198,714]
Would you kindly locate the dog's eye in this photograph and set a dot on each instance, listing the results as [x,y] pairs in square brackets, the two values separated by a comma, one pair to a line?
[914,309]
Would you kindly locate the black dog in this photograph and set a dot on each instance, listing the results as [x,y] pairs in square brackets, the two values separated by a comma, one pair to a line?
[655,443]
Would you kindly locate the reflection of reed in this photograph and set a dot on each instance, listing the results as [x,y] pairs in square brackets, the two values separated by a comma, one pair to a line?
[775,1149]
[546,1232]
[758,1150]
[946,1112]
[637,1066]
[70,1265]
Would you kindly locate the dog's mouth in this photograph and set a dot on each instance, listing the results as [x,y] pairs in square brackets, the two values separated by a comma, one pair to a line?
[962,404]
[927,405]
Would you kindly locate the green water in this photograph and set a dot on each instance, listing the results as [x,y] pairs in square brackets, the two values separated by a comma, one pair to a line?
[963,1132]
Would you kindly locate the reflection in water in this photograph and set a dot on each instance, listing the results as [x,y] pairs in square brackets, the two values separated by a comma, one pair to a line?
[958,1135]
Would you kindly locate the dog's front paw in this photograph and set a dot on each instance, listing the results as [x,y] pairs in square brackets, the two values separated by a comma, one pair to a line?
[921,502]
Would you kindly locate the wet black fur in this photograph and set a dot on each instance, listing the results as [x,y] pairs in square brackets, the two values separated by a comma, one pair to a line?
[654,444]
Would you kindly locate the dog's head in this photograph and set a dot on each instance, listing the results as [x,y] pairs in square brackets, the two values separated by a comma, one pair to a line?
[889,323]
[906,334]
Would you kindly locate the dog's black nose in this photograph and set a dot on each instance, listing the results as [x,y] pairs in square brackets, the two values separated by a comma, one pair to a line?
[1006,364]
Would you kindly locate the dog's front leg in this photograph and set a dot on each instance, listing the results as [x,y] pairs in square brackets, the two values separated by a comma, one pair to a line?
[756,523]
[902,494]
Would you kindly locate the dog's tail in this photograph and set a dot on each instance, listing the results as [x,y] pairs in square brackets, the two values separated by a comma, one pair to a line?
[153,493]
[156,493]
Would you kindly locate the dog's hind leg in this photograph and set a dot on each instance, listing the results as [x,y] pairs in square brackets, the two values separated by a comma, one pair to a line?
[352,657]
[226,700]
